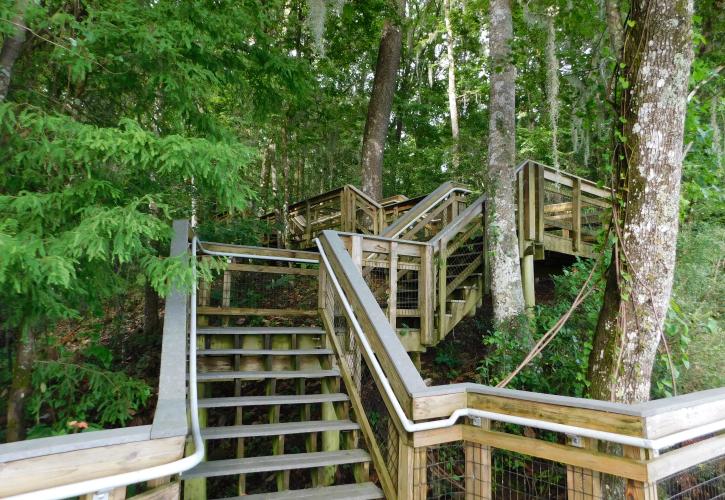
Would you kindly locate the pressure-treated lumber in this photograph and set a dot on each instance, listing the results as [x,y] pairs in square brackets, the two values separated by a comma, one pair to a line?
[359,491]
[265,374]
[74,466]
[276,462]
[277,429]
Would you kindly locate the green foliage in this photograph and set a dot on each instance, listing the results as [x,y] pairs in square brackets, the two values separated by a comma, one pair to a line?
[81,390]
[695,322]
[562,367]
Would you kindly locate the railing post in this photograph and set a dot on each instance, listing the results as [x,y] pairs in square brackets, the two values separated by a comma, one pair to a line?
[638,490]
[425,295]
[393,276]
[412,473]
[576,214]
[478,468]
[442,282]
[581,483]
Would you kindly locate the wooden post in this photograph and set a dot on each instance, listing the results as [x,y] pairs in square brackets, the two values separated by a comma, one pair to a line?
[356,251]
[539,196]
[527,275]
[442,279]
[308,223]
[576,214]
[393,276]
[425,295]
[478,466]
[581,483]
[638,490]
[412,474]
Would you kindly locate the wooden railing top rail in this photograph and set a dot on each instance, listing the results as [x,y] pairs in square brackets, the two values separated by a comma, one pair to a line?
[471,212]
[421,208]
[261,251]
[650,420]
[566,179]
[73,458]
[400,370]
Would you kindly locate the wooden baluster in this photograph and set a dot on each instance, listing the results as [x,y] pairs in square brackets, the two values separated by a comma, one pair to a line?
[581,483]
[539,197]
[442,272]
[393,289]
[425,295]
[308,224]
[576,215]
[638,490]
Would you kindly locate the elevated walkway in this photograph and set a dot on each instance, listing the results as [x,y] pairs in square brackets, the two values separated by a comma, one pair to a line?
[289,374]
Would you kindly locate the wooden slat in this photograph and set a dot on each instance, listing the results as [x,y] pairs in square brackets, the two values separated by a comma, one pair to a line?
[589,459]
[683,458]
[75,466]
[254,268]
[253,311]
[581,417]
[269,252]
[168,491]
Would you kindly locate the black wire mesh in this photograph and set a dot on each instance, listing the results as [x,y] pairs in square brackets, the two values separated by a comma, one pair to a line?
[704,481]
[385,434]
[523,477]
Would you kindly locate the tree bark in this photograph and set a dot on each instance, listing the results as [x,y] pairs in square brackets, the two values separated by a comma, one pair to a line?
[614,26]
[552,87]
[452,97]
[151,320]
[657,58]
[20,387]
[12,46]
[379,108]
[506,289]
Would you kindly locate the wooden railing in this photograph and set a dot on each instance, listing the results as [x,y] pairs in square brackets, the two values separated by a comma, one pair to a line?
[509,443]
[343,209]
[38,464]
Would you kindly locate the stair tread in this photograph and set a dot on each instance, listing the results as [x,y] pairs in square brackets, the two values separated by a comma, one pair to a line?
[253,375]
[357,491]
[276,463]
[259,330]
[277,429]
[263,352]
[271,400]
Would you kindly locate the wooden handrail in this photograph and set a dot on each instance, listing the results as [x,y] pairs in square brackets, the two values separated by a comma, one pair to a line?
[61,460]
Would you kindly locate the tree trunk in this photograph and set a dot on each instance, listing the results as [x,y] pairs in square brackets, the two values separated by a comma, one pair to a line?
[506,290]
[652,112]
[452,98]
[552,87]
[12,47]
[379,108]
[614,26]
[20,387]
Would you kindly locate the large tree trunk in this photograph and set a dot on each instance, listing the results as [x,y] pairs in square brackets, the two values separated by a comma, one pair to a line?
[506,290]
[657,57]
[20,387]
[379,108]
[12,46]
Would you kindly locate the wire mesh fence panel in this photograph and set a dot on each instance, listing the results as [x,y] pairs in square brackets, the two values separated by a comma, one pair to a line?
[527,478]
[465,255]
[704,481]
[444,476]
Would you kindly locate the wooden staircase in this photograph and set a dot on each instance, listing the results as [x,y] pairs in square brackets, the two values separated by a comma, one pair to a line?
[276,418]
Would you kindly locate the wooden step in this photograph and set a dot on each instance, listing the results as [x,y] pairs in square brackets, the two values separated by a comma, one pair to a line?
[276,463]
[255,330]
[262,430]
[258,375]
[271,400]
[359,491]
[264,352]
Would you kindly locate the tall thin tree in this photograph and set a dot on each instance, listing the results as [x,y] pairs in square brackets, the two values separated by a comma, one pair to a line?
[506,287]
[656,64]
[381,104]
[452,96]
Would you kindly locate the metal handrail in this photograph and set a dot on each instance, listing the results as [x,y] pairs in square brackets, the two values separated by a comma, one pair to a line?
[411,426]
[103,485]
